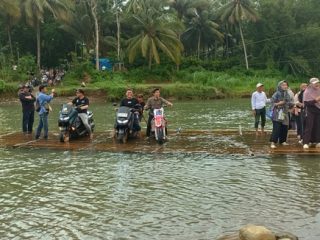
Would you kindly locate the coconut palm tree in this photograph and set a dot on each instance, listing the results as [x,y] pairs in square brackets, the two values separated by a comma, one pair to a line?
[134,6]
[235,12]
[81,26]
[10,12]
[118,6]
[181,7]
[200,26]
[155,35]
[34,11]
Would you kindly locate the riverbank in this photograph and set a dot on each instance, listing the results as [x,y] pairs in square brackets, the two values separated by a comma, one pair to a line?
[182,85]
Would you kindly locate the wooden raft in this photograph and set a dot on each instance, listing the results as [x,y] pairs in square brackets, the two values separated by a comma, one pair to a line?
[207,142]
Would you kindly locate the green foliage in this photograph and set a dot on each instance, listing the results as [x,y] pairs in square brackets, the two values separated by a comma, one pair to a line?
[27,63]
[2,85]
[285,37]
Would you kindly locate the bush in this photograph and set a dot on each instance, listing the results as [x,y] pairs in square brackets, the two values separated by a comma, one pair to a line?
[27,64]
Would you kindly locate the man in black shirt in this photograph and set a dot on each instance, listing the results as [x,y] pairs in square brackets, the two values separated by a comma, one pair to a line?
[27,101]
[82,104]
[131,102]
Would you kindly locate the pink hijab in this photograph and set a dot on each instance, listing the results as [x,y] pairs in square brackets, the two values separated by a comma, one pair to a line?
[312,92]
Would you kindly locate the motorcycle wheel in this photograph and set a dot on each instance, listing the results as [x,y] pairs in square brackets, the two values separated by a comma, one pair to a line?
[125,138]
[61,137]
[64,137]
[120,136]
[160,135]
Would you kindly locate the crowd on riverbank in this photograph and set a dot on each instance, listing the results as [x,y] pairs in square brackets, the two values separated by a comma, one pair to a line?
[300,112]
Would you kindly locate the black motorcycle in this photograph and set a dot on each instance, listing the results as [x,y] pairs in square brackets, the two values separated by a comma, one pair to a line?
[70,124]
[127,123]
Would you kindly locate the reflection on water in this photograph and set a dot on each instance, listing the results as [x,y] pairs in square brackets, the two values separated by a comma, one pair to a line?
[213,114]
[50,194]
[86,195]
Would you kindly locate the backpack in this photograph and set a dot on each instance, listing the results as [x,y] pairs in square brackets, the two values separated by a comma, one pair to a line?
[37,107]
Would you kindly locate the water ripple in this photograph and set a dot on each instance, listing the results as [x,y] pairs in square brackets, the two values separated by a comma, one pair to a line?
[74,195]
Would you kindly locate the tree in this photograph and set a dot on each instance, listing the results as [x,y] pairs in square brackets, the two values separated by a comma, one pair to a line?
[134,6]
[10,12]
[155,34]
[118,8]
[35,13]
[234,13]
[81,25]
[200,26]
[93,4]
[181,7]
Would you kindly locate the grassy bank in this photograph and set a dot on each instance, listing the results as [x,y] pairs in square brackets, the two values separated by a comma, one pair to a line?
[185,84]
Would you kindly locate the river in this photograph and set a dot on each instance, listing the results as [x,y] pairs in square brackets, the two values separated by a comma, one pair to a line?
[53,194]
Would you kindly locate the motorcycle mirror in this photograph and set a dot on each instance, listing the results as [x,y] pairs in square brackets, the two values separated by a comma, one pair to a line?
[114,104]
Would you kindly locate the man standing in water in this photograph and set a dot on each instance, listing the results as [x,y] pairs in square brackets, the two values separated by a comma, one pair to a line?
[82,104]
[154,102]
[258,104]
[43,100]
[27,100]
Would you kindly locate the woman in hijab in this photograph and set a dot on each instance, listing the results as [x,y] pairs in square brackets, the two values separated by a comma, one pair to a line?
[311,98]
[282,102]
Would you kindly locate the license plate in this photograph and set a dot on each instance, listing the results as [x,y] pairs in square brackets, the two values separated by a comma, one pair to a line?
[122,114]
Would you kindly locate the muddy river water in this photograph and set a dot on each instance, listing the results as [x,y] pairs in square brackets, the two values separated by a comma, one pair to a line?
[68,194]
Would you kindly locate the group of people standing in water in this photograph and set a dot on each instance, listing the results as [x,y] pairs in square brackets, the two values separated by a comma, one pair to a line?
[30,104]
[300,111]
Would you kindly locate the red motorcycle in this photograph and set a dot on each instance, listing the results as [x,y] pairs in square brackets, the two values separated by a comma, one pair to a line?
[159,125]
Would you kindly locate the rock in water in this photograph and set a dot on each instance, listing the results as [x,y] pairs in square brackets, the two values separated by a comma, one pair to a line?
[252,232]
[230,237]
[286,236]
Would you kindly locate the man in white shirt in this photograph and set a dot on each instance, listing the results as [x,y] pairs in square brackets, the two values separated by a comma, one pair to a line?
[258,103]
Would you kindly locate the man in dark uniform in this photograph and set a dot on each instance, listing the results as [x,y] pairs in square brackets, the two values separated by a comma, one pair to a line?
[27,101]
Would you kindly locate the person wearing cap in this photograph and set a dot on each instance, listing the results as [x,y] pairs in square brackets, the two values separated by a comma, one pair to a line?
[43,100]
[27,101]
[154,102]
[311,100]
[258,103]
[82,104]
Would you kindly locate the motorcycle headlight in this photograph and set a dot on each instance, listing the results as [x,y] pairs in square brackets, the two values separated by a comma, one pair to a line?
[66,118]
[123,122]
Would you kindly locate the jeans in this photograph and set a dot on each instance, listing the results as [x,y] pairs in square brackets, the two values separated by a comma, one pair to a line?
[84,119]
[43,123]
[27,121]
[260,113]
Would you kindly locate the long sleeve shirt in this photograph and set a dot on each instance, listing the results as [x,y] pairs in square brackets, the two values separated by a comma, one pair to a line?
[258,100]
[27,104]
[43,100]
